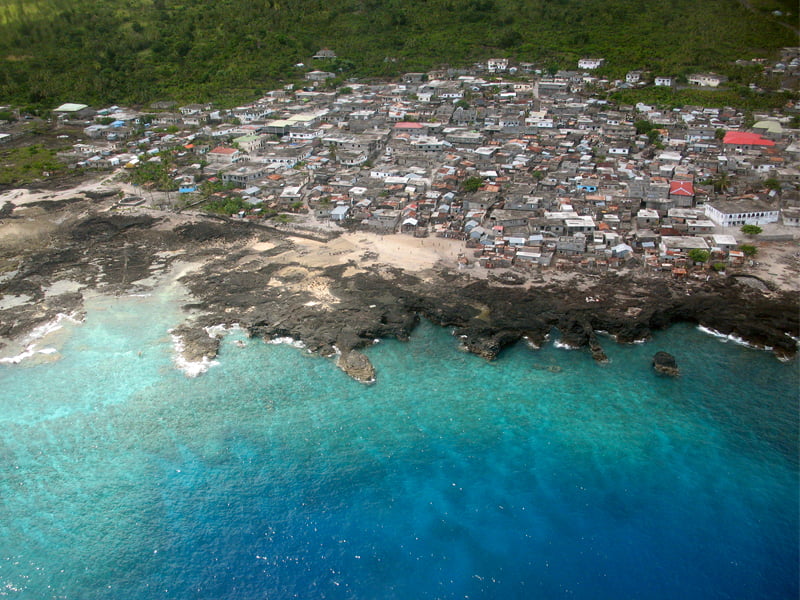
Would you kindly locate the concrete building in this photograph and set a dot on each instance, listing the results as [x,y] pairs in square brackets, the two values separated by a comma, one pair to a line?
[735,213]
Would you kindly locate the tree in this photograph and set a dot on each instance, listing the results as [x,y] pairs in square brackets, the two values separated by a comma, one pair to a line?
[751,229]
[719,133]
[643,127]
[721,182]
[698,255]
[472,184]
[772,184]
[748,249]
[462,104]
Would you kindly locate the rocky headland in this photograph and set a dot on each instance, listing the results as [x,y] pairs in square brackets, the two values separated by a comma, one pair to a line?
[340,295]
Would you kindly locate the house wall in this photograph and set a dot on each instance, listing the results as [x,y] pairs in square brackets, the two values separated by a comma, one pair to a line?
[755,217]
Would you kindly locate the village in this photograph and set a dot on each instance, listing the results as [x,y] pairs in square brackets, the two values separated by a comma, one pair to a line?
[528,170]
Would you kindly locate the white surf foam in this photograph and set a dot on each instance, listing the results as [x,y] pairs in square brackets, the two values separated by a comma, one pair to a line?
[731,338]
[189,367]
[289,341]
[564,346]
[30,341]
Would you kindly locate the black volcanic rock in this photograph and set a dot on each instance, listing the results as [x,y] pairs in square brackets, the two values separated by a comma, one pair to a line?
[597,350]
[665,363]
[109,226]
[350,306]
[358,366]
[205,231]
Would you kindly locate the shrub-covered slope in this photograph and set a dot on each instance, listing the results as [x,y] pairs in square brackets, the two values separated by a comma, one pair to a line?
[135,51]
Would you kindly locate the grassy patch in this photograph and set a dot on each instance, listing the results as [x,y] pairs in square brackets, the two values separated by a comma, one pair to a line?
[21,166]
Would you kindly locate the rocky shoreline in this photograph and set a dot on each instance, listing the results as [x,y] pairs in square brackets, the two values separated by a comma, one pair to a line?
[256,278]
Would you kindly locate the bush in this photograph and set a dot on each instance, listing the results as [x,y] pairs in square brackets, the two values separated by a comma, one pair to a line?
[751,229]
[698,255]
[472,184]
[748,249]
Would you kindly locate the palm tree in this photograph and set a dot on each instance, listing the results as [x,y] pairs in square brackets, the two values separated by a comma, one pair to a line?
[721,182]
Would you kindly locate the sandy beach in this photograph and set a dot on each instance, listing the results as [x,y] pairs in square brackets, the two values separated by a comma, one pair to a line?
[366,249]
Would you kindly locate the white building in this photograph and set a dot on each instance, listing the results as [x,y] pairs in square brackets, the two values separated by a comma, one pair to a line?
[590,63]
[791,217]
[497,65]
[742,212]
[633,77]
[705,79]
[340,212]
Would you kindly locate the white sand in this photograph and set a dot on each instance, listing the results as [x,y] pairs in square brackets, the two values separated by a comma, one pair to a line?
[403,251]
[779,263]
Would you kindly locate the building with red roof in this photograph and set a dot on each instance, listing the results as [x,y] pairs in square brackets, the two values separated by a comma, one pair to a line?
[681,188]
[408,126]
[224,155]
[743,140]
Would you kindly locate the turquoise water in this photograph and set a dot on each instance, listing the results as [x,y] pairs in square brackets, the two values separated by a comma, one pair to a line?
[275,476]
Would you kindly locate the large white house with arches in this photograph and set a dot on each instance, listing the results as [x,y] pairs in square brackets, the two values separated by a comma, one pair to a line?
[742,212]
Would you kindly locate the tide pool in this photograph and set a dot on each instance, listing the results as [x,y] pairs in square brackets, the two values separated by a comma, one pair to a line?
[273,475]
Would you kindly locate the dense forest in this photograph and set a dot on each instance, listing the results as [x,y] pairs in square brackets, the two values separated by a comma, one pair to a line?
[137,51]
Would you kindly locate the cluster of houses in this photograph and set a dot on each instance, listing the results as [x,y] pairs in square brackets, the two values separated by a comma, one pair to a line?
[526,168]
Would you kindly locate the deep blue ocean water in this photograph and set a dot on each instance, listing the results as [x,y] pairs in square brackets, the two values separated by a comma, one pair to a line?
[273,475]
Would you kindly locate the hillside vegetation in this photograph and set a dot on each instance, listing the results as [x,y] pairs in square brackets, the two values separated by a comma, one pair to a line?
[136,51]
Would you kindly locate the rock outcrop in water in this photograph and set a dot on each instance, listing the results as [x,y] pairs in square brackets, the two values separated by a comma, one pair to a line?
[358,366]
[665,363]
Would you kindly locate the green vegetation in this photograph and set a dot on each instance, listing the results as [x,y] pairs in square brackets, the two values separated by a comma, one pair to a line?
[137,51]
[750,229]
[643,127]
[20,166]
[472,184]
[156,175]
[698,255]
[738,96]
[772,184]
[720,182]
[229,205]
[748,249]
[220,200]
